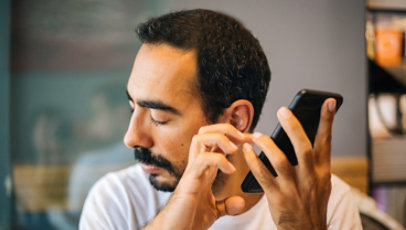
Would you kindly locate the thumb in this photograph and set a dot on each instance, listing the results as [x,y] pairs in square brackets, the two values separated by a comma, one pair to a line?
[231,206]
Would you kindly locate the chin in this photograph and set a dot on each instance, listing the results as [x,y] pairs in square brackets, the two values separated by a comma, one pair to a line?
[163,184]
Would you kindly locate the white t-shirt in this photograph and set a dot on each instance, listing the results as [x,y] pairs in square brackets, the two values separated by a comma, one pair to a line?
[126,200]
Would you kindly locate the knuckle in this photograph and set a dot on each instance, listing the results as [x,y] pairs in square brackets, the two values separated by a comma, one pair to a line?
[281,163]
[310,181]
[195,138]
[218,157]
[228,127]
[325,177]
[221,137]
[307,153]
[306,147]
[262,141]
[286,169]
[203,129]
[262,177]
[295,127]
[326,139]
[264,138]
[201,158]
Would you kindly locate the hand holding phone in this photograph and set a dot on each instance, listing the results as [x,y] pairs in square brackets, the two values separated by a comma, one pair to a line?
[306,107]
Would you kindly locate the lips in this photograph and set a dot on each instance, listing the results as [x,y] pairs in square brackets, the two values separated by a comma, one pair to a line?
[151,169]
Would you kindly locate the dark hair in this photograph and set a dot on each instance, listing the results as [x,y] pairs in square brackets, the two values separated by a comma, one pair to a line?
[231,63]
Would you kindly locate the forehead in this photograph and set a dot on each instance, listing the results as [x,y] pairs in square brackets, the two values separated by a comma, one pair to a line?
[163,72]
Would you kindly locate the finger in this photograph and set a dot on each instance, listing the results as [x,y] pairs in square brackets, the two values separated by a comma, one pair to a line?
[227,129]
[258,169]
[231,206]
[208,141]
[322,143]
[210,160]
[298,137]
[276,157]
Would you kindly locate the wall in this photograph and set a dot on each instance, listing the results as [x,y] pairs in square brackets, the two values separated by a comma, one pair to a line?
[316,44]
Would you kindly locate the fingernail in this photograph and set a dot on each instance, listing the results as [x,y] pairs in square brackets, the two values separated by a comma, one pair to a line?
[256,135]
[247,147]
[284,113]
[332,106]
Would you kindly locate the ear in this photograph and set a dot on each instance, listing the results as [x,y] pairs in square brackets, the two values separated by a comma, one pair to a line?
[239,114]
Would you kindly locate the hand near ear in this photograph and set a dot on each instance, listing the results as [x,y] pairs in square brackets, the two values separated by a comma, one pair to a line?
[298,197]
[192,204]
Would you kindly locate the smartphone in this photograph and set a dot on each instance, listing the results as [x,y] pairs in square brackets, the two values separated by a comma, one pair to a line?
[306,106]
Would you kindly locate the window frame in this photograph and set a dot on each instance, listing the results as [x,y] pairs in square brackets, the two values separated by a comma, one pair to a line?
[5,165]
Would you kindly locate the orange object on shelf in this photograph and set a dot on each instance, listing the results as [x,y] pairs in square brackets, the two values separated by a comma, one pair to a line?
[388,46]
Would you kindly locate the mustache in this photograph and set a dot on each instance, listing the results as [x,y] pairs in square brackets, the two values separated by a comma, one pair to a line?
[144,155]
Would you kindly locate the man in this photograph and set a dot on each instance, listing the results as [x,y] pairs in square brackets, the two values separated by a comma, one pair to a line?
[197,88]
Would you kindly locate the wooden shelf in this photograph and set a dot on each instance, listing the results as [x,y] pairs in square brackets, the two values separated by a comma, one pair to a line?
[392,5]
[388,160]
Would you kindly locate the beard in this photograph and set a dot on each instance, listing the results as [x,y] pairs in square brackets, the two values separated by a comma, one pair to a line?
[144,155]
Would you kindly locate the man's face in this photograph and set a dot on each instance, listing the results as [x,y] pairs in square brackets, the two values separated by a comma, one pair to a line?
[167,111]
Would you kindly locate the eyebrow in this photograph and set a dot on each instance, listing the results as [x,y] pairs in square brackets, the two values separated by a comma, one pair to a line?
[155,105]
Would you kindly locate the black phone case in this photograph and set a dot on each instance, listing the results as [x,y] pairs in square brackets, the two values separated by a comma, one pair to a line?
[306,107]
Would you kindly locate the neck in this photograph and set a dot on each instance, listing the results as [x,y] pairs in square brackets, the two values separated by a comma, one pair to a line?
[230,185]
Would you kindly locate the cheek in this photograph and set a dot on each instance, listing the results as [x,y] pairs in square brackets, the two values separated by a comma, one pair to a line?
[177,153]
[174,148]
[174,140]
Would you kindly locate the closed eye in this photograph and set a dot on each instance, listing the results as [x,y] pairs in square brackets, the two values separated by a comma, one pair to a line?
[157,122]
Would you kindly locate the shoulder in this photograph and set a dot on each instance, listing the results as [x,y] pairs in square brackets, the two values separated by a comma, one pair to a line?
[123,199]
[339,187]
[342,209]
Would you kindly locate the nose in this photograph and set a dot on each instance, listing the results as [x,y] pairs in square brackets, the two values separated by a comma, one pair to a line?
[138,133]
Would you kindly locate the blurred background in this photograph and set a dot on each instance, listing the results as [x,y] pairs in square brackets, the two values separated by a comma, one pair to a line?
[63,108]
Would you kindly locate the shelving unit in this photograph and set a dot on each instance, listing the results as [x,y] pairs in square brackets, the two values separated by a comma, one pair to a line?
[388,79]
[386,45]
